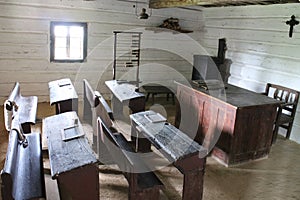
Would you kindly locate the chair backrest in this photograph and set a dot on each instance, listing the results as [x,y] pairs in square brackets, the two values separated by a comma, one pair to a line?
[284,94]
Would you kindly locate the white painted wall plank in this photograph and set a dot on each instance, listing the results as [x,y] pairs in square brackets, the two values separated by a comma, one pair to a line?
[24,42]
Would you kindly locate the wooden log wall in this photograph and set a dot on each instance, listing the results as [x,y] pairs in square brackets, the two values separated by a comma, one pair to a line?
[259,46]
[257,40]
[25,51]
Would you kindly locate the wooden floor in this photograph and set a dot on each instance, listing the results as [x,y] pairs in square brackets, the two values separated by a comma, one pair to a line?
[274,178]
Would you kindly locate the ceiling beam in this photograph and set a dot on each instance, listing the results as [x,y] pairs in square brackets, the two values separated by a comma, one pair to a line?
[178,3]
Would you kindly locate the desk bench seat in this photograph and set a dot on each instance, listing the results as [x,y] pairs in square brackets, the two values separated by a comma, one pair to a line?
[22,175]
[72,161]
[114,148]
[91,110]
[143,184]
[63,95]
[185,154]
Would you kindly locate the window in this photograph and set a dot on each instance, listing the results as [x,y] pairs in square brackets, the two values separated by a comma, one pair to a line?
[68,42]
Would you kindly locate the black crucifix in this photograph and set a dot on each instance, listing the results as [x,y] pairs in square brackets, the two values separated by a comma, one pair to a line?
[293,22]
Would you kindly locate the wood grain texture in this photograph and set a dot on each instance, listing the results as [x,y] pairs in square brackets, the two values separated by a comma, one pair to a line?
[175,3]
[66,155]
[72,162]
[258,45]
[237,129]
[24,41]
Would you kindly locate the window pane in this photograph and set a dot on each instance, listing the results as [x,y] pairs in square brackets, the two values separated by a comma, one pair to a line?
[61,31]
[76,50]
[60,42]
[76,42]
[76,31]
[60,53]
[75,54]
[60,48]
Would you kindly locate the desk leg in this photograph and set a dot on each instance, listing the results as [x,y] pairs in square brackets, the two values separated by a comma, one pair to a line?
[193,185]
[117,106]
[137,105]
[66,106]
[141,144]
[57,108]
[193,169]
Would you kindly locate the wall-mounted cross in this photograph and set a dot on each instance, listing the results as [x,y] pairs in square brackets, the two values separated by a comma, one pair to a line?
[293,22]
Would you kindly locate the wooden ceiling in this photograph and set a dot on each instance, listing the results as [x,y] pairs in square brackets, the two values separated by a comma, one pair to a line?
[213,3]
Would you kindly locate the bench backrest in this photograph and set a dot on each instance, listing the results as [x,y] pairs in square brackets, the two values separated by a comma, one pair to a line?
[104,104]
[24,107]
[22,175]
[15,93]
[117,145]
[90,101]
[102,112]
[11,106]
[95,105]
[136,172]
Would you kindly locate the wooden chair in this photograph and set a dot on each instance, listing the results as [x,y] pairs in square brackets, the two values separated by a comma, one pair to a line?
[286,111]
